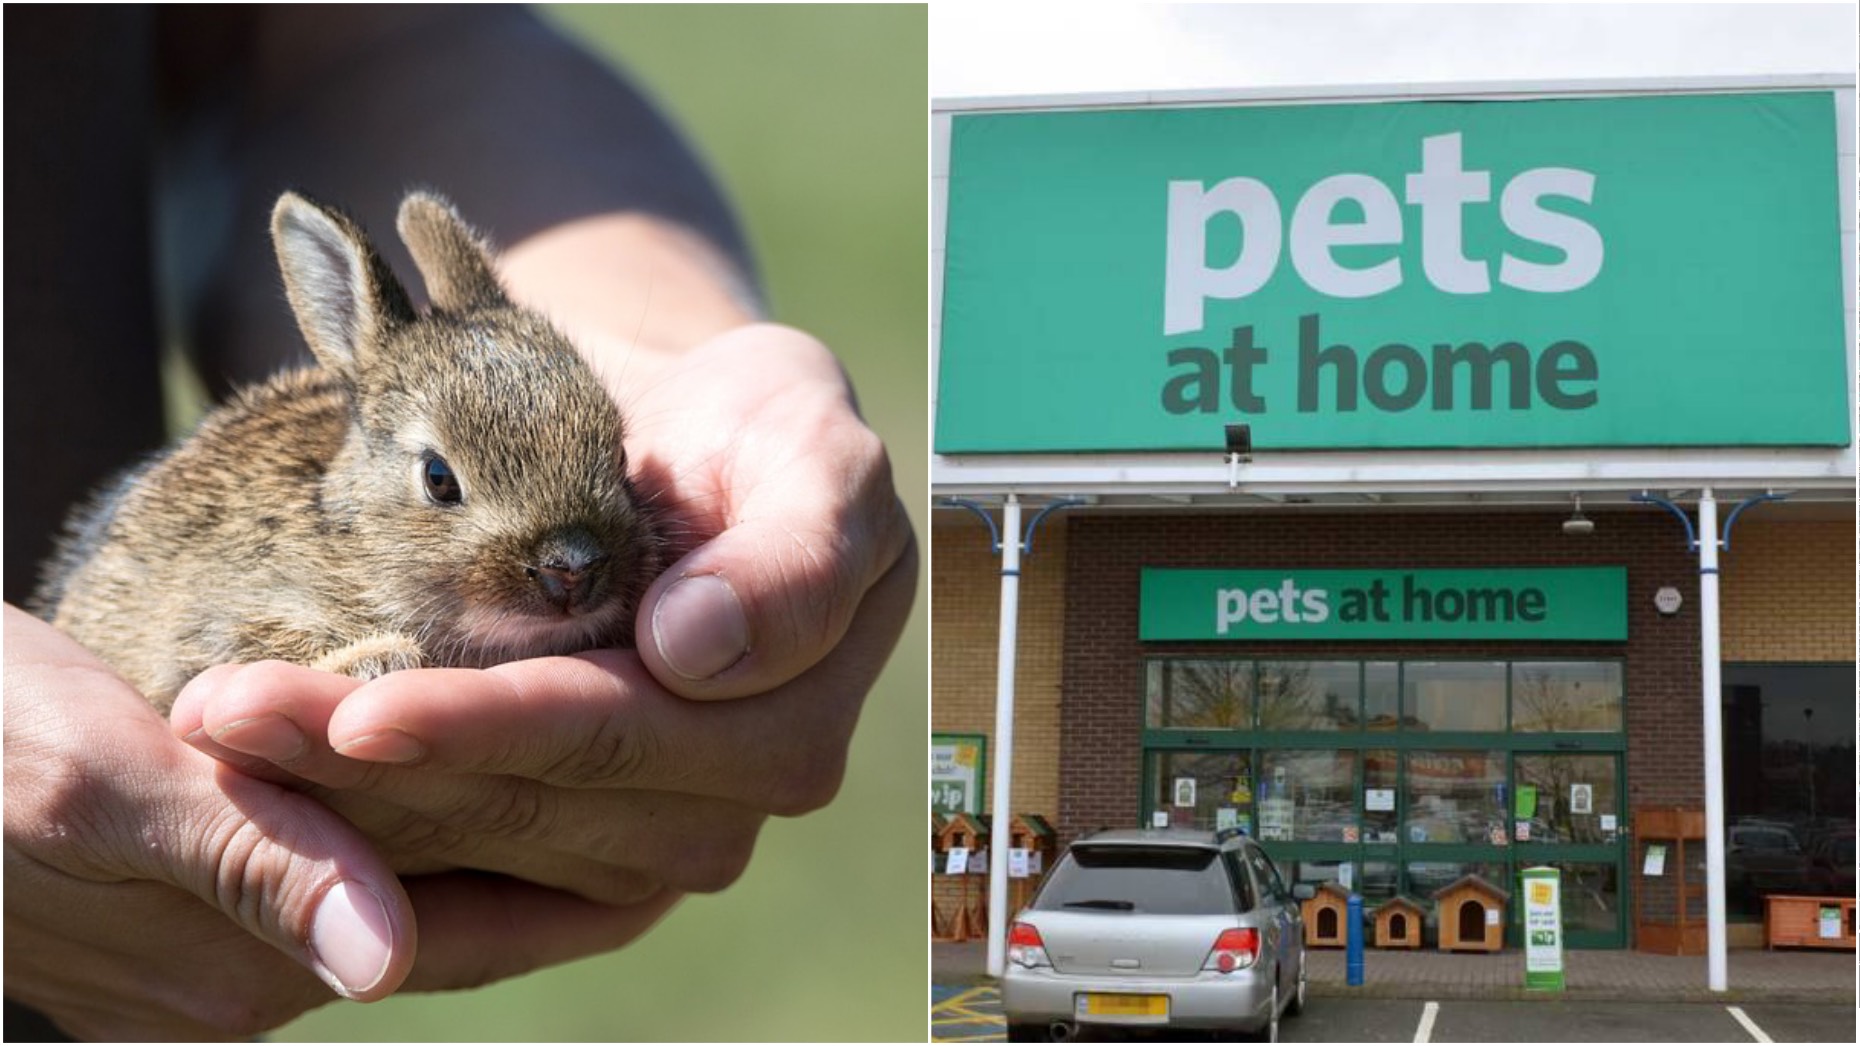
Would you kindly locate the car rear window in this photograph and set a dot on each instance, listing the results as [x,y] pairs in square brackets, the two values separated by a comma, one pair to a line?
[1159,880]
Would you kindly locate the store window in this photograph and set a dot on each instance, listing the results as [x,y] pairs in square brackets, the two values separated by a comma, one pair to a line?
[1381,783]
[1399,777]
[1456,797]
[1788,773]
[1464,696]
[1566,799]
[1207,790]
[1382,695]
[1200,695]
[1566,696]
[1426,878]
[1307,796]
[1310,695]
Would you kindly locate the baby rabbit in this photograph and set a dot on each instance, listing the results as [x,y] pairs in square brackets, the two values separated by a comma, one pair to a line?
[443,489]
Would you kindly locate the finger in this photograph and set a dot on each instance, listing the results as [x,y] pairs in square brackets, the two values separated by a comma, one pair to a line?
[599,720]
[811,521]
[610,846]
[262,733]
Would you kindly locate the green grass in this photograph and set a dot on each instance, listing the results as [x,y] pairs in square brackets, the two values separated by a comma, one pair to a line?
[815,119]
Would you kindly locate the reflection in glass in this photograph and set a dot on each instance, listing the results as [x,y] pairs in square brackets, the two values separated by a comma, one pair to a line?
[1456,797]
[1308,695]
[1307,795]
[1377,883]
[1788,775]
[1454,695]
[1194,788]
[1569,795]
[1380,771]
[1574,696]
[1382,695]
[1591,896]
[1426,878]
[1204,695]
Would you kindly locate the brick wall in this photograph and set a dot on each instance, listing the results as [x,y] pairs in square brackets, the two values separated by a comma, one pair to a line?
[1100,739]
[965,617]
[1788,591]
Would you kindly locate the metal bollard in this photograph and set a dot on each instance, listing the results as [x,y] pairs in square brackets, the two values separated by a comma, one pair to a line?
[1353,957]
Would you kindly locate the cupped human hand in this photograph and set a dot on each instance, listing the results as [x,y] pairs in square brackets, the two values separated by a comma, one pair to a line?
[612,774]
[580,773]
[155,893]
[152,892]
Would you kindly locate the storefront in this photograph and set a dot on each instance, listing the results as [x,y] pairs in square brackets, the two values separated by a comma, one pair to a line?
[1418,618]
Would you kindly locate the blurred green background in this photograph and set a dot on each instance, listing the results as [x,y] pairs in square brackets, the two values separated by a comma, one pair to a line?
[815,119]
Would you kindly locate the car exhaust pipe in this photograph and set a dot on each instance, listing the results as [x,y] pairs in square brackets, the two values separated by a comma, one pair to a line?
[1060,1031]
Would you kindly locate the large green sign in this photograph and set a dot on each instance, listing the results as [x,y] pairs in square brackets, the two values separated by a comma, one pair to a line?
[1544,603]
[1636,271]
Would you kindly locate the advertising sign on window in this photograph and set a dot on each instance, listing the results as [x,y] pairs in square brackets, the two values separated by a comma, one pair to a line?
[958,767]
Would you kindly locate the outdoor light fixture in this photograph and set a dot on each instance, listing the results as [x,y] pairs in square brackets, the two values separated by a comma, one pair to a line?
[1578,524]
[1239,449]
[1240,441]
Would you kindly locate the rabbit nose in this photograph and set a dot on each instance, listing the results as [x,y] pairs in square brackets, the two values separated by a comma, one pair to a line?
[567,567]
[562,586]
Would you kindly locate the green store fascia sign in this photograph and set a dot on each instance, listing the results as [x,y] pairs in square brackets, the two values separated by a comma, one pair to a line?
[1575,603]
[1630,272]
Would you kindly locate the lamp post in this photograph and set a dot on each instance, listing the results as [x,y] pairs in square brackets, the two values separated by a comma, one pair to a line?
[1010,551]
[1707,542]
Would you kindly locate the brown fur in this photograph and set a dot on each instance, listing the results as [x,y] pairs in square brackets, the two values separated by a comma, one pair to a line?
[295,524]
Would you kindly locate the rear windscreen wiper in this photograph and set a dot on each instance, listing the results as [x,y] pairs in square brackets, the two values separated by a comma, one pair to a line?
[1109,906]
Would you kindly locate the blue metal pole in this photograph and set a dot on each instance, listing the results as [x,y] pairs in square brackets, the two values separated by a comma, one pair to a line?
[1353,957]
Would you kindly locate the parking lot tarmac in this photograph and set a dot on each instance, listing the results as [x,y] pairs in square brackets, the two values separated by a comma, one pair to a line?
[1331,1019]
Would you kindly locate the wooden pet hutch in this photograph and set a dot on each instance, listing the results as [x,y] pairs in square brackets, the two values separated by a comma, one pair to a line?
[958,907]
[1472,916]
[1326,917]
[1398,924]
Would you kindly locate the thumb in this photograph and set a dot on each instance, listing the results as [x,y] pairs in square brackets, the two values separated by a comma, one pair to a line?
[805,514]
[291,873]
[98,791]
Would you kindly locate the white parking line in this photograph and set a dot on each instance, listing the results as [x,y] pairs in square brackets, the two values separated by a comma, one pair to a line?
[1756,1033]
[1425,1032]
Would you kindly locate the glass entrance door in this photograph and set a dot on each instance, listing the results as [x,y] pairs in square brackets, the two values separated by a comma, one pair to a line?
[1569,816]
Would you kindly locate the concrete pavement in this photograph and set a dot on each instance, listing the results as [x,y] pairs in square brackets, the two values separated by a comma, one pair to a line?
[1763,976]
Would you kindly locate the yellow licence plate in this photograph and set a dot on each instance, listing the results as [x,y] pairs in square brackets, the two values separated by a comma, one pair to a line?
[1105,1004]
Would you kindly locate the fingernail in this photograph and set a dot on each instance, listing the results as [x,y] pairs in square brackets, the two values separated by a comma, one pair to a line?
[270,737]
[699,626]
[388,746]
[351,939]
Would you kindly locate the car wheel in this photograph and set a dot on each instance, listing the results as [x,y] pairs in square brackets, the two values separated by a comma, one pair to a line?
[1026,1033]
[1272,1025]
[1296,1005]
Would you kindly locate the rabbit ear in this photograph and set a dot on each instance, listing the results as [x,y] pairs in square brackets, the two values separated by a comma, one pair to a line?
[344,295]
[453,261]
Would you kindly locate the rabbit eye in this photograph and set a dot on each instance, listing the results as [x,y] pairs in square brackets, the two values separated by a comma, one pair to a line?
[442,487]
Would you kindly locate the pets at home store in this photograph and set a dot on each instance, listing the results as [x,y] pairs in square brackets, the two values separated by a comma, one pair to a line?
[1425,725]
[1363,627]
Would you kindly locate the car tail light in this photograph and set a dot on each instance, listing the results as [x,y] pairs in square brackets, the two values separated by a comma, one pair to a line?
[1025,946]
[1233,950]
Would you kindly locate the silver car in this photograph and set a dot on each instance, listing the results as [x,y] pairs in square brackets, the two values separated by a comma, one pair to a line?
[1156,929]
